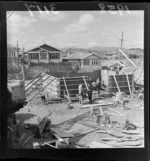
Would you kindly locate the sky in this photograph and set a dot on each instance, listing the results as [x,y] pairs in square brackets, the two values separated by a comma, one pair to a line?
[81,29]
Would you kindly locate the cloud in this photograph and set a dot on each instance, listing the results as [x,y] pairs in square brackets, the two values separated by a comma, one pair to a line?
[16,23]
[19,28]
[81,25]
[50,16]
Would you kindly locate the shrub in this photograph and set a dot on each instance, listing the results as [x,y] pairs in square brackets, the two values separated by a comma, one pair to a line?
[133,56]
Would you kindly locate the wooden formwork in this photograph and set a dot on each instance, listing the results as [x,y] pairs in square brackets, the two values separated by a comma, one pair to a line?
[125,83]
[118,82]
[54,88]
[71,84]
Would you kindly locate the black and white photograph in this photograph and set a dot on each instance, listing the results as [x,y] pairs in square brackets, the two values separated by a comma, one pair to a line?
[75,79]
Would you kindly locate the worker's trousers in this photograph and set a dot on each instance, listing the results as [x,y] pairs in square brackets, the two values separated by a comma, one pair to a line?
[80,99]
[90,96]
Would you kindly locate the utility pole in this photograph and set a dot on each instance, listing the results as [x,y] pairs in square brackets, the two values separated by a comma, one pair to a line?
[23,66]
[121,45]
[17,55]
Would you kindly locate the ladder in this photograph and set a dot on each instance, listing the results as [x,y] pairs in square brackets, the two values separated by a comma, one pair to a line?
[66,88]
[116,83]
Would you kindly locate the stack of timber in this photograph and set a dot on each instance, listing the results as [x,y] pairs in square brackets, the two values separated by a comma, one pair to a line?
[69,86]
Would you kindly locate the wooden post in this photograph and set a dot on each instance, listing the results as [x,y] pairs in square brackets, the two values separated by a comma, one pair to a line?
[116,83]
[128,84]
[85,82]
[66,88]
[101,110]
[23,72]
[128,58]
[18,55]
[133,88]
[23,66]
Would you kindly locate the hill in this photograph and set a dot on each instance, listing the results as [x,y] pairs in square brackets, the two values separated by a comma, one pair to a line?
[103,51]
[137,49]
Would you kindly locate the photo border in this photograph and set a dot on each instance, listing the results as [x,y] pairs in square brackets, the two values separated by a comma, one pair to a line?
[72,154]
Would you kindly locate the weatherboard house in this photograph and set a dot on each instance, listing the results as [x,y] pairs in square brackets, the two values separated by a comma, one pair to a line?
[13,54]
[44,54]
[86,62]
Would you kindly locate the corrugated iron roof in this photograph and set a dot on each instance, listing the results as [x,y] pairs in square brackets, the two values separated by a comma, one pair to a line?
[81,55]
[45,47]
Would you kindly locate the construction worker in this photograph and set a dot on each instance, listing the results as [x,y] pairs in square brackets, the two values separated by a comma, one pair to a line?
[90,88]
[80,93]
[98,82]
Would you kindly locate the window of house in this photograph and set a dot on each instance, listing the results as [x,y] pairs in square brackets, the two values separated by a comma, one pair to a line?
[43,55]
[86,62]
[53,55]
[95,61]
[57,56]
[33,56]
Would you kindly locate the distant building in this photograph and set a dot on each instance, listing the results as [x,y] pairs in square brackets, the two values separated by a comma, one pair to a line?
[85,61]
[12,55]
[44,54]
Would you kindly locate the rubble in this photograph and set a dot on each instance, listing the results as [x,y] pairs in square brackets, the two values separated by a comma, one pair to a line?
[53,118]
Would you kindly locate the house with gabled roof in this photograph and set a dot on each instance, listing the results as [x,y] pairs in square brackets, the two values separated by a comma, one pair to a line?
[44,54]
[13,54]
[85,61]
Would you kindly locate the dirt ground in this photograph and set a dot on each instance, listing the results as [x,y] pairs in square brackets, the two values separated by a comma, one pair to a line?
[78,120]
[73,120]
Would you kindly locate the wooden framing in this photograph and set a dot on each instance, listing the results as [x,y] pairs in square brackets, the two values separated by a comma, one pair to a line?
[128,84]
[66,89]
[35,81]
[121,84]
[128,58]
[116,83]
[41,90]
[72,84]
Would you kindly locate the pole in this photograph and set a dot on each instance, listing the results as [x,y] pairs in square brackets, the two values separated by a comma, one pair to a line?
[23,66]
[18,58]
[127,58]
[121,45]
[17,55]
